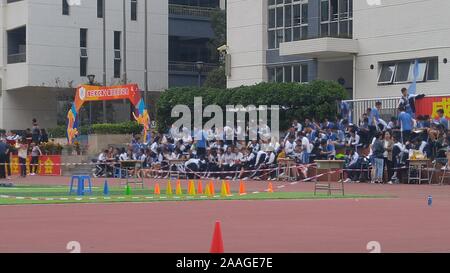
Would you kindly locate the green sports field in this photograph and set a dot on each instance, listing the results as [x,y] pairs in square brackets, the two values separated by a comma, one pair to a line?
[35,194]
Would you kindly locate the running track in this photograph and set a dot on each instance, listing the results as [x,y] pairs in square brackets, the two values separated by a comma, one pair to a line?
[402,224]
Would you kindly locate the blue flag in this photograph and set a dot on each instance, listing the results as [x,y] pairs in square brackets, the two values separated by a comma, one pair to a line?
[413,87]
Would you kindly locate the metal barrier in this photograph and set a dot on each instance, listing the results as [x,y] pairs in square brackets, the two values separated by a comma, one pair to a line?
[359,107]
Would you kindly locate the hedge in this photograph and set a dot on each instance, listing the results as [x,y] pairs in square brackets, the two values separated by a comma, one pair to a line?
[130,127]
[317,99]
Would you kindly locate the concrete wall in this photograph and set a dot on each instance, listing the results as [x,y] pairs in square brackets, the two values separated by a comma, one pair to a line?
[53,49]
[396,30]
[333,70]
[247,41]
[53,54]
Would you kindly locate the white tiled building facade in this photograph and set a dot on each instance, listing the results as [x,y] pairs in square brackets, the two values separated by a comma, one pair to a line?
[47,47]
[369,48]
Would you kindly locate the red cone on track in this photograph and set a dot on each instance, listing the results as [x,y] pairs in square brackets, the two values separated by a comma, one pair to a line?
[217,241]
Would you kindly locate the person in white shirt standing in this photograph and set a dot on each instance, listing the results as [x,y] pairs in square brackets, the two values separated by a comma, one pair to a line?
[306,148]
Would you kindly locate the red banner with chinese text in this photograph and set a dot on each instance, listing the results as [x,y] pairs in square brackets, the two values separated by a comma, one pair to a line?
[430,105]
[49,165]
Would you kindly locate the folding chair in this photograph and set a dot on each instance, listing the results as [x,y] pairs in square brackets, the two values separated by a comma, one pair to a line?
[446,170]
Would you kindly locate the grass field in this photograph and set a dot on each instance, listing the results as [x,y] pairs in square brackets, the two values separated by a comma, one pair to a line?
[35,194]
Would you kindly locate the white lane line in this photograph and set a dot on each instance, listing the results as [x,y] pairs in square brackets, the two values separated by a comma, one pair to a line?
[255,192]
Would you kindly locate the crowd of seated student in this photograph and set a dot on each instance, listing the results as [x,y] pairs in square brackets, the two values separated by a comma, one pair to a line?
[214,154]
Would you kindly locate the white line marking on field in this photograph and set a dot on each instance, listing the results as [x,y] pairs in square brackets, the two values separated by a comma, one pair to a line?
[63,199]
[20,198]
[120,197]
[106,198]
[255,192]
[49,199]
[203,196]
[92,198]
[282,186]
[4,196]
[162,197]
[135,197]
[35,199]
[78,199]
[149,197]
[294,183]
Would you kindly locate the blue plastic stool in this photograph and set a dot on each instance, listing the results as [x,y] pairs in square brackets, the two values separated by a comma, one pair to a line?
[120,173]
[80,184]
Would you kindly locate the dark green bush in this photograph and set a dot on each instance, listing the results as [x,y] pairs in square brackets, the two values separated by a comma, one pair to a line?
[130,127]
[317,99]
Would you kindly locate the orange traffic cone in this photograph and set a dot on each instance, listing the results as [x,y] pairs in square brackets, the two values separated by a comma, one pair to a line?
[217,241]
[242,188]
[228,187]
[211,188]
[189,189]
[178,190]
[157,190]
[270,189]
[199,187]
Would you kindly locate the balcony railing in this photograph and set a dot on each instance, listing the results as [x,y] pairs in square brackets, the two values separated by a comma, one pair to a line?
[183,10]
[190,67]
[17,58]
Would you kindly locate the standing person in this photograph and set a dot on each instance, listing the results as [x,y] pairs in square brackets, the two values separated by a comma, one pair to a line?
[22,154]
[306,148]
[3,152]
[200,140]
[35,153]
[404,101]
[374,118]
[406,124]
[11,149]
[35,132]
[387,155]
[378,158]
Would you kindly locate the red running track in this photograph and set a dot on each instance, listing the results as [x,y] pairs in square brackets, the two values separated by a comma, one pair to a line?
[402,224]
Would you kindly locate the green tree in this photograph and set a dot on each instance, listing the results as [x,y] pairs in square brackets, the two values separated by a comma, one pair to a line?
[216,78]
[219,26]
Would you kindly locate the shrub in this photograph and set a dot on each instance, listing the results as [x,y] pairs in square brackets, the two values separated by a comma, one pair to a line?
[317,99]
[129,127]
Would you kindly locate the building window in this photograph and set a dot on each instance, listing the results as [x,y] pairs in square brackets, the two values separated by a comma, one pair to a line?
[65,7]
[399,72]
[288,73]
[17,45]
[336,18]
[288,21]
[117,54]
[83,52]
[133,10]
[100,8]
